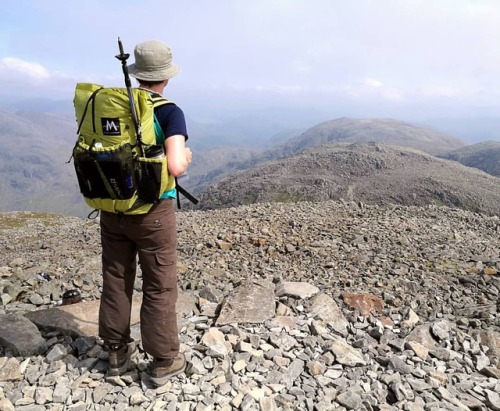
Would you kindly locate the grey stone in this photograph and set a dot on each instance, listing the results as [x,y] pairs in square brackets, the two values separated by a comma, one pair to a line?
[398,365]
[440,353]
[268,404]
[43,395]
[100,392]
[491,339]
[61,393]
[446,395]
[326,309]
[6,405]
[422,335]
[420,350]
[491,372]
[441,330]
[214,340]
[346,354]
[350,400]
[36,299]
[493,399]
[293,372]
[297,289]
[56,353]
[418,385]
[10,369]
[251,302]
[21,335]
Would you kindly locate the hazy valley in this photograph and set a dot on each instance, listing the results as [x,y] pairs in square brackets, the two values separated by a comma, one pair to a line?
[369,160]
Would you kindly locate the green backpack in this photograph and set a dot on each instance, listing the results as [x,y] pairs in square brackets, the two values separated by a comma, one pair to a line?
[117,173]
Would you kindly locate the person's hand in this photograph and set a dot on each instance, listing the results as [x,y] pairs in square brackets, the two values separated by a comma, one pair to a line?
[189,154]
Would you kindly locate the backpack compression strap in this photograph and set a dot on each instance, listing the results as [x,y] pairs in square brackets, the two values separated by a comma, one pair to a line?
[159,101]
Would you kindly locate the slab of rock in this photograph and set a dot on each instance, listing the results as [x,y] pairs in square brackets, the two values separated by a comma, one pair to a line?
[364,303]
[186,306]
[250,302]
[217,345]
[350,400]
[346,354]
[491,372]
[422,335]
[324,308]
[411,321]
[21,336]
[420,350]
[492,340]
[82,319]
[10,369]
[297,289]
[493,400]
[441,330]
[79,319]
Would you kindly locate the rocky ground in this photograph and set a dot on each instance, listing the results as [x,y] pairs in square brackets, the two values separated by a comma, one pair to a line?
[309,306]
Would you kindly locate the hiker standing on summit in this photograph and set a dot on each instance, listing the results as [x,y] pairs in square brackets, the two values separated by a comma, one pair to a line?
[153,236]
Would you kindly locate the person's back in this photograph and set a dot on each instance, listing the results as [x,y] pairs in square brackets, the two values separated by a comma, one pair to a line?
[151,236]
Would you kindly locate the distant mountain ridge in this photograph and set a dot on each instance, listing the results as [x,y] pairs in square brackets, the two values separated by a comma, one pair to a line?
[385,130]
[362,172]
[484,156]
[342,130]
[35,176]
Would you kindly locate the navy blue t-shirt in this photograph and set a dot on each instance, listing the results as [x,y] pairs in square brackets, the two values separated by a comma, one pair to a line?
[171,119]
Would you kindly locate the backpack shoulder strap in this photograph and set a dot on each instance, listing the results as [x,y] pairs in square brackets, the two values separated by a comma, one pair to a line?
[159,101]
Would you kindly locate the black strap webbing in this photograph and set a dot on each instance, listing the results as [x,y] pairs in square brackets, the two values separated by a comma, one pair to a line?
[181,190]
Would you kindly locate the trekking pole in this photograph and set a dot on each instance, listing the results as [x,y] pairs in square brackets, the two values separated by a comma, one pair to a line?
[138,132]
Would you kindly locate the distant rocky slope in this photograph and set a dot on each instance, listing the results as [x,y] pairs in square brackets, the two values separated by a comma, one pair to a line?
[387,131]
[370,173]
[484,156]
[342,130]
[326,306]
[34,174]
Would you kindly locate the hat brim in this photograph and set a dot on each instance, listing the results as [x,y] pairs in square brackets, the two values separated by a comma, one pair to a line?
[153,75]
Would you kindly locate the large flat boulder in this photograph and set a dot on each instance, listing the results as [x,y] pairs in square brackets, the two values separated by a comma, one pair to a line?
[82,319]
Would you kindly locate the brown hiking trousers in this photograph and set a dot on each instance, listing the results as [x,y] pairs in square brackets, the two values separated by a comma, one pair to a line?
[153,237]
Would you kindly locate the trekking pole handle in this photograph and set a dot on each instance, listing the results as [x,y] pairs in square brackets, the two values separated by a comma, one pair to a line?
[123,58]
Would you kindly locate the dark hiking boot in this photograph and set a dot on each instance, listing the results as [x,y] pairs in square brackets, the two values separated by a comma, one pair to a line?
[120,356]
[161,371]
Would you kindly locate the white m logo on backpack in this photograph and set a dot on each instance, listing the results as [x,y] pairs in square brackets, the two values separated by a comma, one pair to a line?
[110,126]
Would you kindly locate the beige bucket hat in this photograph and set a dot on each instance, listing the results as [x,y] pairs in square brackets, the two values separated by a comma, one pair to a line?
[153,62]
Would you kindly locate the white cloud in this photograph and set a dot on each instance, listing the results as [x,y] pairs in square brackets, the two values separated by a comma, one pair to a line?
[363,51]
[13,67]
[371,82]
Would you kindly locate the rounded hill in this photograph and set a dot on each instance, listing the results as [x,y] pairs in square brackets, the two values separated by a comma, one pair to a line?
[388,131]
[370,173]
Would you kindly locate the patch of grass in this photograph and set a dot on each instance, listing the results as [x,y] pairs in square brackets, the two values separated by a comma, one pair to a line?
[21,219]
[249,198]
[287,197]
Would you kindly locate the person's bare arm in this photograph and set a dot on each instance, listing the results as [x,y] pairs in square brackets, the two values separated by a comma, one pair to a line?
[178,155]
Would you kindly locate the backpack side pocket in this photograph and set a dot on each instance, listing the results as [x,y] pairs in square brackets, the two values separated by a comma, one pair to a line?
[105,172]
[152,178]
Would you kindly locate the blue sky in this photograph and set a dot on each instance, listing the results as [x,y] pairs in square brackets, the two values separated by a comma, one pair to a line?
[391,58]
